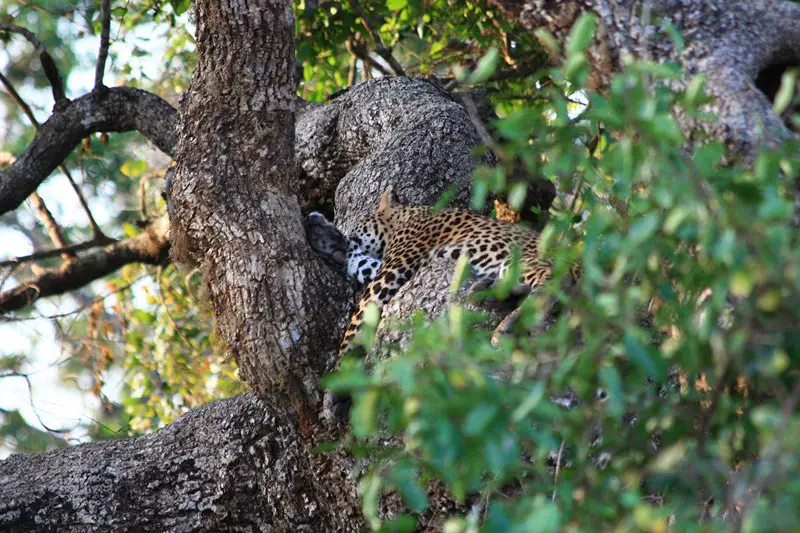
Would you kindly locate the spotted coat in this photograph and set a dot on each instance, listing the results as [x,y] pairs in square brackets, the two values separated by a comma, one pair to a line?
[404,238]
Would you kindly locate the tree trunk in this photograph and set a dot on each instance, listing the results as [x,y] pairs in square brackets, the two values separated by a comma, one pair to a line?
[236,209]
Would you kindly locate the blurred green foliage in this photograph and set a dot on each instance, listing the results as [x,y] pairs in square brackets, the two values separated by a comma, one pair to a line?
[664,393]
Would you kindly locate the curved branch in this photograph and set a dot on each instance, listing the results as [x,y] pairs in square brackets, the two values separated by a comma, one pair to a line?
[48,65]
[47,218]
[149,247]
[118,109]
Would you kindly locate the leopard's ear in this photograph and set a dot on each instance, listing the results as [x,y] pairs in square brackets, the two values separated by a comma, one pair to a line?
[385,203]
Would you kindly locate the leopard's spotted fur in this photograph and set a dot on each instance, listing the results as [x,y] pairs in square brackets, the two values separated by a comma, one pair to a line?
[405,237]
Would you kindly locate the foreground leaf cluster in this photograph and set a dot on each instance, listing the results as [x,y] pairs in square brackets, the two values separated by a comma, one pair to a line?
[664,392]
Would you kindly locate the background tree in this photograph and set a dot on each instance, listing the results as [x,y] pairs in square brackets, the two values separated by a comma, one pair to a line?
[237,201]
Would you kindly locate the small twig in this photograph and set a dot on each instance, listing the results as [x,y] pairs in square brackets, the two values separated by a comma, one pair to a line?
[96,231]
[558,469]
[142,199]
[79,309]
[380,48]
[351,74]
[105,16]
[27,379]
[50,224]
[48,65]
[69,249]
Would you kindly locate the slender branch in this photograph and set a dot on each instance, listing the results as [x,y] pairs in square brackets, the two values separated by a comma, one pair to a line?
[70,250]
[118,109]
[558,468]
[351,75]
[96,231]
[149,247]
[50,224]
[359,49]
[105,16]
[380,48]
[48,65]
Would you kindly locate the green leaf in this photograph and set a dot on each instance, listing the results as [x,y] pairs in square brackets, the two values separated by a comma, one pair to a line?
[396,5]
[659,70]
[785,94]
[669,458]
[516,197]
[643,229]
[545,519]
[133,168]
[406,479]
[674,34]
[548,42]
[479,418]
[363,413]
[581,35]
[529,403]
[486,67]
[370,489]
[399,524]
[650,364]
[180,6]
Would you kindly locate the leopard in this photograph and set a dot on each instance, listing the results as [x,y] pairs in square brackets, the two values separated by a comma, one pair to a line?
[387,248]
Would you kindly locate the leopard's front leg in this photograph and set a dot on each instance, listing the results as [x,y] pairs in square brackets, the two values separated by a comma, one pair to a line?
[392,275]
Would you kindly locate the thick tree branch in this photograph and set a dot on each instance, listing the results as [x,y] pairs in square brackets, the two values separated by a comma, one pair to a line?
[231,465]
[149,247]
[118,109]
[48,65]
[236,212]
[105,18]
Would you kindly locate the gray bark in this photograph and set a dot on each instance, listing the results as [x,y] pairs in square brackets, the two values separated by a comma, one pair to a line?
[728,42]
[231,465]
[236,209]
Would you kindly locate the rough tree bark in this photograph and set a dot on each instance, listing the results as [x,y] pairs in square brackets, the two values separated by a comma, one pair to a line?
[244,465]
[736,45]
